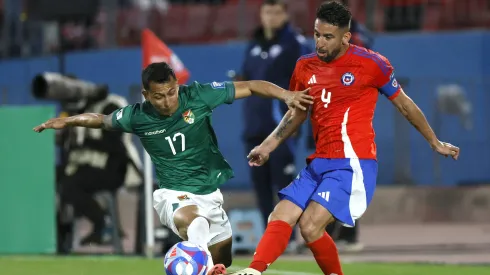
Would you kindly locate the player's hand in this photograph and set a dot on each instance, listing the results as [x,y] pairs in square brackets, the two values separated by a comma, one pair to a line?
[54,123]
[446,149]
[258,156]
[298,99]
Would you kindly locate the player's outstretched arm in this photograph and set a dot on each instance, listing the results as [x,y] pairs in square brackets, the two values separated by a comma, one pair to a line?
[289,124]
[299,99]
[414,115]
[88,120]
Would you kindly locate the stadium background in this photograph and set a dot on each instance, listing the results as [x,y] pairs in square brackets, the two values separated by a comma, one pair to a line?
[424,204]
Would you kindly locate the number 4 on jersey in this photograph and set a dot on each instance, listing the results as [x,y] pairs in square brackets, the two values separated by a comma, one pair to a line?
[172,140]
[326,98]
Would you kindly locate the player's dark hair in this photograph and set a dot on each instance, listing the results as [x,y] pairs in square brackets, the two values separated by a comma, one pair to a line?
[334,13]
[276,2]
[159,72]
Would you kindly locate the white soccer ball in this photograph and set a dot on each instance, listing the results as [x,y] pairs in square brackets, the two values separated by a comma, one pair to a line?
[185,258]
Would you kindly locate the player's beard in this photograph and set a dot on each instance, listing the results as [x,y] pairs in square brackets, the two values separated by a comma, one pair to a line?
[330,56]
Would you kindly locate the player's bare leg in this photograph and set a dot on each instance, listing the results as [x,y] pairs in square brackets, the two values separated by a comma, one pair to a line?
[275,239]
[195,228]
[312,225]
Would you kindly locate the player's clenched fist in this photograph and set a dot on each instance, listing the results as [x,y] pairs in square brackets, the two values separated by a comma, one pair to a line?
[298,99]
[258,156]
[54,123]
[447,149]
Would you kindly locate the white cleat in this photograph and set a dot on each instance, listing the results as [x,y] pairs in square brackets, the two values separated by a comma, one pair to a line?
[246,271]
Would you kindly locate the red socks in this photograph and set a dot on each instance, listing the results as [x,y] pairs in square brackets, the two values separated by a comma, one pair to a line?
[273,243]
[326,255]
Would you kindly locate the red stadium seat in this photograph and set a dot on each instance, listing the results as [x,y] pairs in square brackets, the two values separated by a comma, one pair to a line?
[479,13]
[198,23]
[358,10]
[252,15]
[225,23]
[174,24]
[128,28]
[432,17]
[201,23]
[379,18]
[300,16]
[457,14]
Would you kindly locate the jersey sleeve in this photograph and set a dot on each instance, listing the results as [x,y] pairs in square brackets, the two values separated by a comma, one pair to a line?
[295,83]
[121,119]
[385,79]
[216,93]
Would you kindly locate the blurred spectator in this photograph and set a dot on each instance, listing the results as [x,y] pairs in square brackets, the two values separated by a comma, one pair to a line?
[271,55]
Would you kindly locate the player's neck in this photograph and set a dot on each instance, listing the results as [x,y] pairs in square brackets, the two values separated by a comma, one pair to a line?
[342,52]
[172,112]
[167,113]
[340,55]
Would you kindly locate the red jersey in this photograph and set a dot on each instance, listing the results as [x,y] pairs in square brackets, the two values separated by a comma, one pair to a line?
[345,93]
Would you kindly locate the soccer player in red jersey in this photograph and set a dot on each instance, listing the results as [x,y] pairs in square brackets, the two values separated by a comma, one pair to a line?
[339,180]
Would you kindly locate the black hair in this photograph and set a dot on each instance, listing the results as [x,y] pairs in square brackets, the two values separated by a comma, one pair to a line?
[159,72]
[276,2]
[334,13]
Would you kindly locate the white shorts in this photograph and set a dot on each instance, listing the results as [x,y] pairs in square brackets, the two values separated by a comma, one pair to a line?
[166,202]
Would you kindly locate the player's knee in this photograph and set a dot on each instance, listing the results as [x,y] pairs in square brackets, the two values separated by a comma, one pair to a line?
[286,211]
[278,216]
[310,229]
[183,218]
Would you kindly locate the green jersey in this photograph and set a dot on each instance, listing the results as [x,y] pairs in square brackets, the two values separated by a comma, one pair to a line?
[183,147]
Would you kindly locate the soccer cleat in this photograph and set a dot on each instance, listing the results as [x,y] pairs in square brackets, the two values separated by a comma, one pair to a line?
[246,271]
[217,270]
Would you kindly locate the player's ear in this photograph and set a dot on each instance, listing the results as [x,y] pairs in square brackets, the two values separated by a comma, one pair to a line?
[145,94]
[346,38]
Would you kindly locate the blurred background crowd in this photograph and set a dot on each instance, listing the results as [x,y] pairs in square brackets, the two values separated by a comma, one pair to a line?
[35,27]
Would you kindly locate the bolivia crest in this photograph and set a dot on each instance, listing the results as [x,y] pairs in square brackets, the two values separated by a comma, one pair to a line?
[188,116]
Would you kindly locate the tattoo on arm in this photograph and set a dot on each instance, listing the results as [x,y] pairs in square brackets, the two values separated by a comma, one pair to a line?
[283,126]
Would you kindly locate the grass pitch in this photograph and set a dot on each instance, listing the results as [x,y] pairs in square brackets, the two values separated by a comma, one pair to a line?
[104,265]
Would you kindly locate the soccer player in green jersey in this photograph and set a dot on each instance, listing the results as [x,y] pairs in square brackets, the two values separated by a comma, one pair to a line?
[174,125]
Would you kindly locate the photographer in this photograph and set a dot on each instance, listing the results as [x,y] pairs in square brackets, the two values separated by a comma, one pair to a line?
[93,160]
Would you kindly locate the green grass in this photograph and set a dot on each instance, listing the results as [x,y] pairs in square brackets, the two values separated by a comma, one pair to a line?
[26,265]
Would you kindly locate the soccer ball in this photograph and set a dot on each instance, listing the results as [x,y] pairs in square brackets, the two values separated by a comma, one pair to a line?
[186,258]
